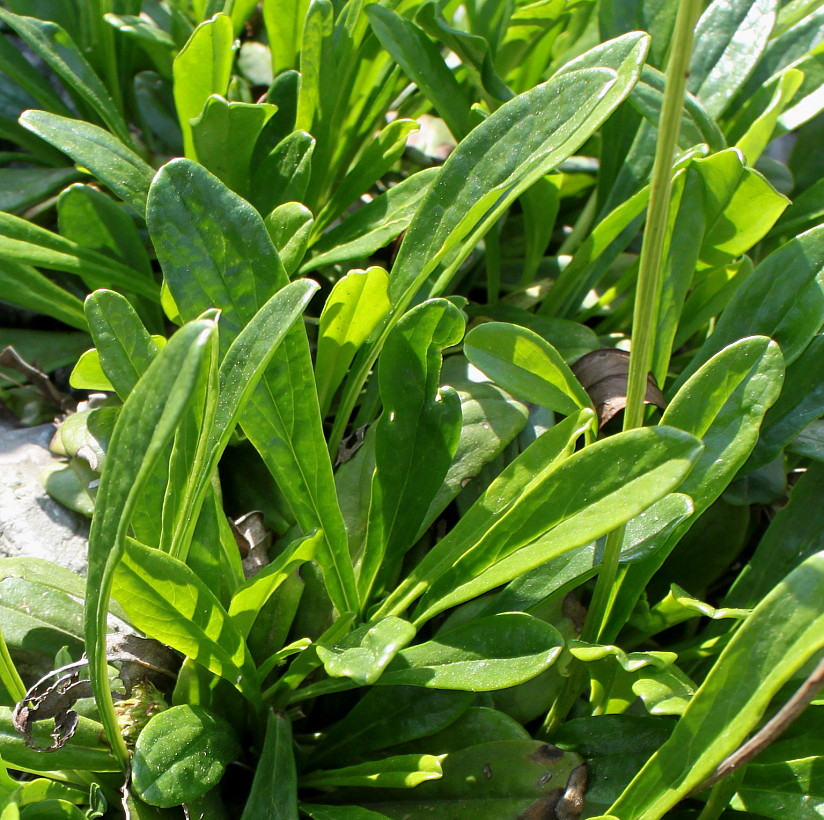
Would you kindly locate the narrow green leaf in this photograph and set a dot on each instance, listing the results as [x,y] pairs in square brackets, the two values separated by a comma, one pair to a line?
[57,49]
[22,188]
[290,229]
[19,69]
[24,286]
[422,62]
[283,175]
[399,772]
[274,793]
[374,225]
[486,654]
[525,365]
[199,226]
[168,602]
[202,68]
[415,437]
[759,659]
[181,754]
[732,35]
[284,28]
[109,159]
[144,428]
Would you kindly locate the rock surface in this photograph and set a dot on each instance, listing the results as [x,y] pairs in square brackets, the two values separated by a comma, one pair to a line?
[31,523]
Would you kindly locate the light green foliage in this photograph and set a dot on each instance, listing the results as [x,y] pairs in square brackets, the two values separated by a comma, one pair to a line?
[403,564]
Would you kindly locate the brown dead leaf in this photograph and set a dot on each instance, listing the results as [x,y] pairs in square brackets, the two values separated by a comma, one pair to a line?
[253,541]
[603,374]
[12,360]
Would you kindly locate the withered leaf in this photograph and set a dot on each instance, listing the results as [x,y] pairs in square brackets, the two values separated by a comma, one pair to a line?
[603,374]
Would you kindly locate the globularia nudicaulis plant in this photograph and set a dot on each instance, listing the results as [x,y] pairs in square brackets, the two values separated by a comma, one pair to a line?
[386,520]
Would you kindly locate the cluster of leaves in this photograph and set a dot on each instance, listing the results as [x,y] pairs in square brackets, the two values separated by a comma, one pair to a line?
[430,455]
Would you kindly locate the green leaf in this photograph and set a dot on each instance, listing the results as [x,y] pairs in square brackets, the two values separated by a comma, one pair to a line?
[168,602]
[274,793]
[19,69]
[525,365]
[181,754]
[52,810]
[21,188]
[124,346]
[24,286]
[144,428]
[801,401]
[483,655]
[504,155]
[782,299]
[202,68]
[759,659]
[422,62]
[290,229]
[378,157]
[107,157]
[388,716]
[732,35]
[363,654]
[374,225]
[283,175]
[400,772]
[339,813]
[284,28]
[357,304]
[774,789]
[24,242]
[250,598]
[525,775]
[415,437]
[200,227]
[57,49]
[224,135]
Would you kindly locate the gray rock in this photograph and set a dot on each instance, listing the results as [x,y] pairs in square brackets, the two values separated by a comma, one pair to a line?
[31,523]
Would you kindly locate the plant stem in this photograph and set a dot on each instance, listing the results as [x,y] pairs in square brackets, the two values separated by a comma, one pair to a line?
[647,294]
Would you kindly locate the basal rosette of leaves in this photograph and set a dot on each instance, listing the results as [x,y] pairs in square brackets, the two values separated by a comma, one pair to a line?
[456,439]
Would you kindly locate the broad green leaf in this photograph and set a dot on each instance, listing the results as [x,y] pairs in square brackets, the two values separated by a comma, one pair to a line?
[202,68]
[108,158]
[144,428]
[525,365]
[85,750]
[388,716]
[415,438]
[723,404]
[526,775]
[199,226]
[22,188]
[732,35]
[374,225]
[181,754]
[422,62]
[250,598]
[168,602]
[290,229]
[507,153]
[124,346]
[793,535]
[283,175]
[483,655]
[783,299]
[363,654]
[378,158]
[224,135]
[57,49]
[775,789]
[400,772]
[26,287]
[284,28]
[622,477]
[24,242]
[53,809]
[274,792]
[801,401]
[357,304]
[759,659]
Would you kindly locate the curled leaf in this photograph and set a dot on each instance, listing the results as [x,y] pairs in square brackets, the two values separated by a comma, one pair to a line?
[603,373]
